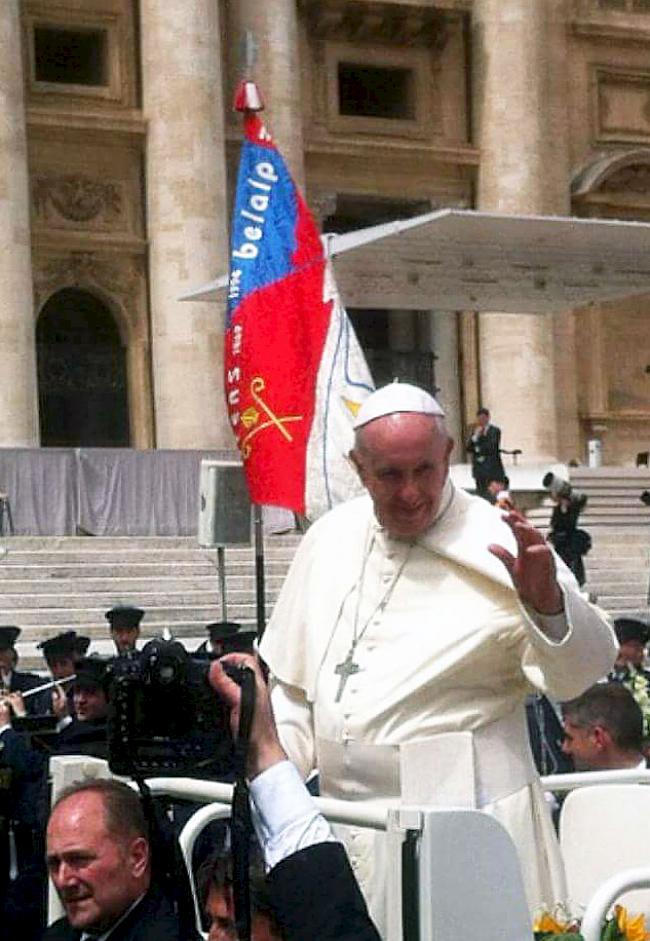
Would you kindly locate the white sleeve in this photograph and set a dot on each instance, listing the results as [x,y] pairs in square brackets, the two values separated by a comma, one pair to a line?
[284,815]
[293,717]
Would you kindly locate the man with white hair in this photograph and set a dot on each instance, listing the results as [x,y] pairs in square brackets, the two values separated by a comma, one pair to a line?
[412,625]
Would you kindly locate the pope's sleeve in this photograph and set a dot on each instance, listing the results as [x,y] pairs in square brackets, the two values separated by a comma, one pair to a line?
[293,717]
[566,668]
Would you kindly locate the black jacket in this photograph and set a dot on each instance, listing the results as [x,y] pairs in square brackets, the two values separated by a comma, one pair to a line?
[83,738]
[316,897]
[152,919]
[486,456]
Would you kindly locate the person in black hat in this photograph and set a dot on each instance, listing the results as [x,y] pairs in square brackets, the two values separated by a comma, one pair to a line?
[86,734]
[124,621]
[633,634]
[17,681]
[225,637]
[60,653]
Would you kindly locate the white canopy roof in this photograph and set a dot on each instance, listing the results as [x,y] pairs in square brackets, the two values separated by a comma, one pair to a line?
[465,260]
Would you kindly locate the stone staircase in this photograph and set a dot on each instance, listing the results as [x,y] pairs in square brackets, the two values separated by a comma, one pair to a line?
[53,584]
[618,566]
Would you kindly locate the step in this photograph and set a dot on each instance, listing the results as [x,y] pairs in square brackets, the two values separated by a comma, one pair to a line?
[82,618]
[130,586]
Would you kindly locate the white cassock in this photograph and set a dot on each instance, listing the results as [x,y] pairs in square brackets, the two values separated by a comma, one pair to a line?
[446,655]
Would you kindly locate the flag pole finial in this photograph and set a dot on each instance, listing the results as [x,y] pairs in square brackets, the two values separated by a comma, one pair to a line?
[247,95]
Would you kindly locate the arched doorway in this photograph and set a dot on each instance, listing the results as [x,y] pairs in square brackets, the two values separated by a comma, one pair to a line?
[81,373]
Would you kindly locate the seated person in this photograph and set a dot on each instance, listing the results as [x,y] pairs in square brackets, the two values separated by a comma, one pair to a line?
[603,729]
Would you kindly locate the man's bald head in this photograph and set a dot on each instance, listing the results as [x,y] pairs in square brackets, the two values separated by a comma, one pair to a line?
[403,461]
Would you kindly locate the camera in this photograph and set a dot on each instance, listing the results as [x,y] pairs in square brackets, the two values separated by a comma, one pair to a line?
[164,716]
[562,489]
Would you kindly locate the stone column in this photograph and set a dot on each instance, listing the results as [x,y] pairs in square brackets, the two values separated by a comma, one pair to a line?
[273,26]
[443,340]
[186,217]
[520,97]
[18,387]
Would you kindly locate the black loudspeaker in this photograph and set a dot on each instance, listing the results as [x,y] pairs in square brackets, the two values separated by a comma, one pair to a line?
[224,505]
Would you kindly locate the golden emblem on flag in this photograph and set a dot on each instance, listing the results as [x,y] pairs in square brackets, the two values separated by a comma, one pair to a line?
[251,418]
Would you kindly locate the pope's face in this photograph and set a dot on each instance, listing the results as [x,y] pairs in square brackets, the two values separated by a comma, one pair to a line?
[403,461]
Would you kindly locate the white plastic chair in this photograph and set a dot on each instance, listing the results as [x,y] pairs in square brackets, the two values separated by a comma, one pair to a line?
[605,896]
[604,830]
[188,837]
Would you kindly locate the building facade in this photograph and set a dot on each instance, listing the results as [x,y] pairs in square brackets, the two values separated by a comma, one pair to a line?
[118,155]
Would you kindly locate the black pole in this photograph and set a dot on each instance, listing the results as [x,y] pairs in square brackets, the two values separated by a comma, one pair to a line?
[259,570]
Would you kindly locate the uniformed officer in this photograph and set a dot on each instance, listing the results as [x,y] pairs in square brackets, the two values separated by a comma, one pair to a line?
[18,681]
[124,623]
[60,653]
[225,637]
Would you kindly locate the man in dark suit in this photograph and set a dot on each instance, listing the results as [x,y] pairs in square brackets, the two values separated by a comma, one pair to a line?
[311,884]
[484,446]
[99,859]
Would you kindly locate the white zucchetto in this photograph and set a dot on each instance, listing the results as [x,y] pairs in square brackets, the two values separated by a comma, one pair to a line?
[396,397]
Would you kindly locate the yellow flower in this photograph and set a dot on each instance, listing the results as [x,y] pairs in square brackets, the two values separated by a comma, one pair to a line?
[632,928]
[546,924]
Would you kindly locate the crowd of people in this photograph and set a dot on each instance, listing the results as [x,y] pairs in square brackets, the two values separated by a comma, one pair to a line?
[414,628]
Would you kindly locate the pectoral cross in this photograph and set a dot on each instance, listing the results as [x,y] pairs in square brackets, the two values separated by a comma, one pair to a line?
[345,669]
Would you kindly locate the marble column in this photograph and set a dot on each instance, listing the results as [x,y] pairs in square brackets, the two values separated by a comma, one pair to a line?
[519,49]
[18,386]
[273,26]
[443,341]
[186,218]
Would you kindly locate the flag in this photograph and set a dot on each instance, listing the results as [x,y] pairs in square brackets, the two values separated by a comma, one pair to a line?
[295,374]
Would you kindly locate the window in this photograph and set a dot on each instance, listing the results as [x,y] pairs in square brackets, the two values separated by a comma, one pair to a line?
[375,92]
[70,57]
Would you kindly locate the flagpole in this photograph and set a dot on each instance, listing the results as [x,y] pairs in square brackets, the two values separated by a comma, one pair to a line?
[260,590]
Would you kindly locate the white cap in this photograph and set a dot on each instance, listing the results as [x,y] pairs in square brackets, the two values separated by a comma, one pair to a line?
[396,397]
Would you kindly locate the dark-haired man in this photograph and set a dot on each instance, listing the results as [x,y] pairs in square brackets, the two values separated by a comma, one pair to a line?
[603,729]
[99,859]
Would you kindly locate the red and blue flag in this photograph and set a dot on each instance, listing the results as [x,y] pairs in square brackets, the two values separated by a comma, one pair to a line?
[294,371]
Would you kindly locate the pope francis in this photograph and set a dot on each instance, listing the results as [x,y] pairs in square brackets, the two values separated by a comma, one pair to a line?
[411,626]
